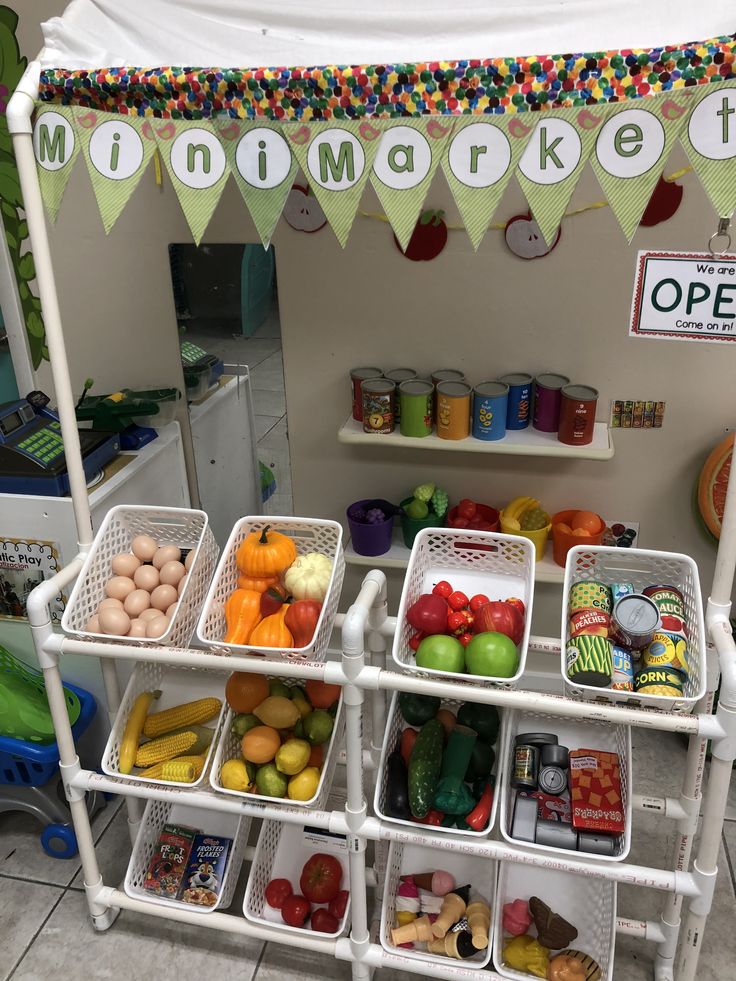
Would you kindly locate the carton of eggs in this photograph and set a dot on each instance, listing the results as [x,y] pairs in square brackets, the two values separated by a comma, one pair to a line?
[143,591]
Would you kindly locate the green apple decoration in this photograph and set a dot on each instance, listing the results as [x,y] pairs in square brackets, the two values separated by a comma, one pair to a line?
[440,652]
[490,655]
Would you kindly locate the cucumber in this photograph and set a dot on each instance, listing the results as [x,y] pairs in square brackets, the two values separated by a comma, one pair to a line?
[425,764]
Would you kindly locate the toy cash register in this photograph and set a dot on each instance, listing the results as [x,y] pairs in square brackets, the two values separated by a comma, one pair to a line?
[32,457]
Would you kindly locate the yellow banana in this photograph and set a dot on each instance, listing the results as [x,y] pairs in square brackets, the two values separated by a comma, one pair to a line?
[514,509]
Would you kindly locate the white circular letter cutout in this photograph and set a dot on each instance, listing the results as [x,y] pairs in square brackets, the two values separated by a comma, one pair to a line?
[116,150]
[479,155]
[552,153]
[263,158]
[197,158]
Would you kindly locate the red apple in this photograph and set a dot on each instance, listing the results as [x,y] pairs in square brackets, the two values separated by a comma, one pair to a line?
[503,618]
[303,211]
[428,238]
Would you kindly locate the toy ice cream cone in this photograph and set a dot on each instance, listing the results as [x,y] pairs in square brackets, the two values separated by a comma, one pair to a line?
[419,929]
[453,907]
[479,921]
[440,882]
[407,903]
[458,945]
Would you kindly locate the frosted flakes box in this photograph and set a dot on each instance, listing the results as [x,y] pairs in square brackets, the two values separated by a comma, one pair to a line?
[207,863]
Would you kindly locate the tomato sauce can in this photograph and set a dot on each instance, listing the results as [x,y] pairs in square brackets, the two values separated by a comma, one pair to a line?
[577,415]
[589,594]
[379,398]
[453,409]
[518,410]
[671,606]
[634,621]
[547,398]
[490,401]
[357,377]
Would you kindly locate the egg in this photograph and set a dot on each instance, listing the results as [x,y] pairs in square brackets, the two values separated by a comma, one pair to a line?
[586,520]
[562,529]
[114,622]
[163,596]
[170,610]
[137,628]
[124,564]
[167,553]
[189,559]
[143,547]
[110,602]
[146,577]
[182,583]
[93,625]
[119,587]
[171,572]
[157,627]
[136,602]
[150,614]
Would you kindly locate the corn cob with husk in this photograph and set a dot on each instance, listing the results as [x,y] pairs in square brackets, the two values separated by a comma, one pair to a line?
[190,741]
[160,771]
[181,716]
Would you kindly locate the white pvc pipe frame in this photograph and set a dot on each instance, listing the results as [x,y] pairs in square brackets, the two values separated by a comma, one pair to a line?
[356,676]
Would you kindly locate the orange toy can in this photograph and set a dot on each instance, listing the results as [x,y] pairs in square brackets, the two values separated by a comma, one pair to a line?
[453,409]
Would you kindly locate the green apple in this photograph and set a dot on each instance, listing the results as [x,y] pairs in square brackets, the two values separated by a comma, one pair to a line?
[440,652]
[491,655]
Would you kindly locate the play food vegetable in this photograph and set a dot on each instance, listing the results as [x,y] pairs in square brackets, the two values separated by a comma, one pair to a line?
[477,819]
[408,738]
[265,553]
[324,922]
[272,631]
[440,652]
[418,709]
[451,795]
[491,655]
[526,954]
[397,787]
[244,691]
[320,694]
[321,878]
[428,613]
[501,617]
[242,613]
[134,729]
[295,910]
[272,599]
[425,763]
[301,619]
[339,904]
[259,584]
[481,761]
[190,713]
[308,578]
[277,891]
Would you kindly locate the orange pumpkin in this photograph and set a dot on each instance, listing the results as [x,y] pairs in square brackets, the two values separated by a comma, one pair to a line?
[265,553]
[259,584]
[242,613]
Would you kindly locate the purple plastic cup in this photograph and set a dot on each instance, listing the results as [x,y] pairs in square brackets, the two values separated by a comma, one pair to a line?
[371,538]
[547,400]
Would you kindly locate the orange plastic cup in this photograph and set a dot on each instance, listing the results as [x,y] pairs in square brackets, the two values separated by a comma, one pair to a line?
[562,542]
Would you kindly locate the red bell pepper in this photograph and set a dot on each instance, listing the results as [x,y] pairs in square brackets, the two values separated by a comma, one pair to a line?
[301,619]
[477,601]
[478,817]
[434,818]
[272,600]
[416,639]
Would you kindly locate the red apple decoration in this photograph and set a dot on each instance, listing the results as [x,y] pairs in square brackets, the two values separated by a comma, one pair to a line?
[525,240]
[428,238]
[664,202]
[303,211]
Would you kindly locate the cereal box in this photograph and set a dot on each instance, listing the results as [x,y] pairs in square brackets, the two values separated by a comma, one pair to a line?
[595,791]
[169,860]
[205,871]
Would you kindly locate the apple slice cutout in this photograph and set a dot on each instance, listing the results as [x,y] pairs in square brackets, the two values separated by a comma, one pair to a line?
[525,240]
[303,211]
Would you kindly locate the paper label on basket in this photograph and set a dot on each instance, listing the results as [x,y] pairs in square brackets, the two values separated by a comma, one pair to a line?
[324,840]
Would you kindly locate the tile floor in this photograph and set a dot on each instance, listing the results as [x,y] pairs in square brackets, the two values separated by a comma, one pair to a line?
[45,932]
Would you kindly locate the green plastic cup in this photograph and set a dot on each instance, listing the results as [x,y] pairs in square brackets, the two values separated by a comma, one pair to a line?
[410,527]
[415,397]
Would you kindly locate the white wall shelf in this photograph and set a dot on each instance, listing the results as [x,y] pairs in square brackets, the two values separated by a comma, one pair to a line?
[522,442]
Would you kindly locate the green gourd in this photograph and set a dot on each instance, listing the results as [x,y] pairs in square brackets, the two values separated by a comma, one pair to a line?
[425,764]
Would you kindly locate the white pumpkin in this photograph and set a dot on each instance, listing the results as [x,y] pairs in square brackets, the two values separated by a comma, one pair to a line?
[308,577]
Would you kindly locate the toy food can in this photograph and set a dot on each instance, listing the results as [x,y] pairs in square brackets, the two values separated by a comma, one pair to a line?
[489,410]
[520,399]
[577,415]
[397,376]
[379,397]
[590,660]
[634,620]
[526,765]
[590,621]
[453,410]
[671,606]
[447,375]
[659,681]
[415,401]
[623,671]
[666,651]
[357,377]
[590,594]
[619,589]
[547,398]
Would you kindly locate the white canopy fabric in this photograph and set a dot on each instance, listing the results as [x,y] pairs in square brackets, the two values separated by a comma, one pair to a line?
[246,33]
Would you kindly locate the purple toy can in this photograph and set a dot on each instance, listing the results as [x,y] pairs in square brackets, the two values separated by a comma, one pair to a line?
[547,399]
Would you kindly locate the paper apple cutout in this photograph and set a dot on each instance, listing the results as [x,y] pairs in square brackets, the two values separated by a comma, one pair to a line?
[303,211]
[525,240]
[664,202]
[428,238]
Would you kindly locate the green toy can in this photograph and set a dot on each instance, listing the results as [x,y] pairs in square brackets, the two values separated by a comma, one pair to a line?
[589,660]
[589,594]
[415,400]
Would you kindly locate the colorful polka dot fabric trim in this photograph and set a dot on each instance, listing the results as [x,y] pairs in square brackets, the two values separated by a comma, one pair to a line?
[497,85]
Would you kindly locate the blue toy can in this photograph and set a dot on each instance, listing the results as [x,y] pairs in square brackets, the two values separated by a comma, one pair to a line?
[518,412]
[489,410]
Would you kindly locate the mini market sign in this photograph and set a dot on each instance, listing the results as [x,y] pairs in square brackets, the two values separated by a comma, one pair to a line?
[627,144]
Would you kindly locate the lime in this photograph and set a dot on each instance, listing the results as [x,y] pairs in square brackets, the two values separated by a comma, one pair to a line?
[297,692]
[277,687]
[416,509]
[318,726]
[299,729]
[243,723]
[234,775]
[293,756]
[304,785]
[270,782]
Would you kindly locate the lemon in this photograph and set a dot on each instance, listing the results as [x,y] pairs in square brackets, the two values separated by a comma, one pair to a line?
[304,785]
[293,756]
[234,775]
[303,705]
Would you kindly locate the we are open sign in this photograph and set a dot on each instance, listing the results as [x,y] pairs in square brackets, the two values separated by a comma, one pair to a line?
[684,297]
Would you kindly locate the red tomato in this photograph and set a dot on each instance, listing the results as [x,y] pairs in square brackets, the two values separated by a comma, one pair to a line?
[477,601]
[339,904]
[321,695]
[457,600]
[465,639]
[321,878]
[295,911]
[467,509]
[515,601]
[443,589]
[408,738]
[324,922]
[460,522]
[416,639]
[277,891]
[502,618]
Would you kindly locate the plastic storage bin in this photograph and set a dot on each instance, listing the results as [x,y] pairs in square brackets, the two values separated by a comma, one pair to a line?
[588,904]
[169,526]
[642,568]
[309,535]
[177,685]
[501,566]
[480,873]
[156,815]
[394,726]
[575,735]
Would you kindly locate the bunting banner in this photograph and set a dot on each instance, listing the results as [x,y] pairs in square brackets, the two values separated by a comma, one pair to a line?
[628,144]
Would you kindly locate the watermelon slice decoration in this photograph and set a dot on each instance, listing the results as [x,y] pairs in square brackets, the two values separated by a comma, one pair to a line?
[712,485]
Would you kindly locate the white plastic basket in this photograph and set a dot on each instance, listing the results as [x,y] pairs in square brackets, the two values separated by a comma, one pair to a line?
[500,566]
[281,852]
[394,726]
[575,735]
[588,904]
[309,535]
[177,685]
[642,568]
[480,873]
[183,527]
[156,815]
[228,748]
